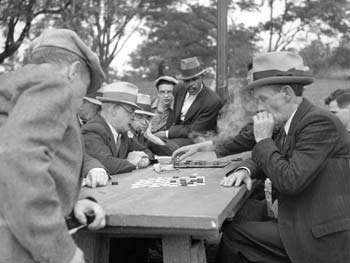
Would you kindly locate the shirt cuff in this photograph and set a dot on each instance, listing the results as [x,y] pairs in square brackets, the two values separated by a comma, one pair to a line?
[167,134]
[241,168]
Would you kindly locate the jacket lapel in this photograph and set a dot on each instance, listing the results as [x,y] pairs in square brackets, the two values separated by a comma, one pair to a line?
[303,108]
[110,138]
[197,103]
[179,102]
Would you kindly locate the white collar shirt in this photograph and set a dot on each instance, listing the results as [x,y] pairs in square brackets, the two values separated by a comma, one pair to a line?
[189,99]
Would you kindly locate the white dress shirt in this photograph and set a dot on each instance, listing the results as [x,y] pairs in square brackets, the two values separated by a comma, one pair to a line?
[189,99]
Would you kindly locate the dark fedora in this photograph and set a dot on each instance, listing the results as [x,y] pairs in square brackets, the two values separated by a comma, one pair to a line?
[190,68]
[278,68]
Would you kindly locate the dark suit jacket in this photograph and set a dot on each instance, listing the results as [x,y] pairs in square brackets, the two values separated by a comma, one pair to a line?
[99,144]
[200,117]
[312,177]
[41,163]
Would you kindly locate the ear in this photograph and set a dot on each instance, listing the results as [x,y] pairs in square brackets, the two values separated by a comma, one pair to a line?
[74,70]
[288,93]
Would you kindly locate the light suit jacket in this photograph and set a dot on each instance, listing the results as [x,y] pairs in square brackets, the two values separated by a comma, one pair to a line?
[40,165]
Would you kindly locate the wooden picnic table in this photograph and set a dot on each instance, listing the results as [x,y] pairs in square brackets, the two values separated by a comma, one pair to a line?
[183,217]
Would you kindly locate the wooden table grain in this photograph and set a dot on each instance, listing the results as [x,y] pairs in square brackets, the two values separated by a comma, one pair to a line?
[183,217]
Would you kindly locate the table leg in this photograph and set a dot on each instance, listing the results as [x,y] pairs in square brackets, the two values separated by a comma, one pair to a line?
[182,249]
[94,246]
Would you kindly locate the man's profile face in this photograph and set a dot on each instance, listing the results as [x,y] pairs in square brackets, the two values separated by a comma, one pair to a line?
[88,110]
[272,101]
[123,116]
[139,122]
[165,93]
[342,113]
[193,85]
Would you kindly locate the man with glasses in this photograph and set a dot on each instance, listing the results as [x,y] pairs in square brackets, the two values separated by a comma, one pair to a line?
[196,107]
[105,136]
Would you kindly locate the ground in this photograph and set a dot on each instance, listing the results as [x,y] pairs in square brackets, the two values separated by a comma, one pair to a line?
[315,92]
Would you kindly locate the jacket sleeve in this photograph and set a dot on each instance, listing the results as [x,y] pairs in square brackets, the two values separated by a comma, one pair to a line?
[242,142]
[97,148]
[315,145]
[90,163]
[28,139]
[206,121]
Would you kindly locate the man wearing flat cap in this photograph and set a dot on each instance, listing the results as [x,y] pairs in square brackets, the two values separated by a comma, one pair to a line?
[90,107]
[308,165]
[105,136]
[196,107]
[41,150]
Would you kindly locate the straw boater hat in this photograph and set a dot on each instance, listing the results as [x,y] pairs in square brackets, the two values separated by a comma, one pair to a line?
[166,78]
[68,40]
[91,97]
[144,102]
[278,68]
[120,92]
[190,68]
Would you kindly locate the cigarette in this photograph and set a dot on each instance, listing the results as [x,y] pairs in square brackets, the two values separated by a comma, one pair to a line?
[76,229]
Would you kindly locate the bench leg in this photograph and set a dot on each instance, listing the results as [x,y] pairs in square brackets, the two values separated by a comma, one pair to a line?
[182,249]
[94,246]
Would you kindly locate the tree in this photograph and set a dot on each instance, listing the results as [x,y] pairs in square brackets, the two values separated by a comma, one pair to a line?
[316,57]
[104,24]
[186,32]
[17,16]
[327,17]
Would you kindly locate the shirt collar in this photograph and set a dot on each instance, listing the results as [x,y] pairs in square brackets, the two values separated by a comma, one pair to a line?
[289,121]
[114,132]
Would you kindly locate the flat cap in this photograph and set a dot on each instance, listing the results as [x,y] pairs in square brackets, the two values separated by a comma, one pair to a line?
[70,41]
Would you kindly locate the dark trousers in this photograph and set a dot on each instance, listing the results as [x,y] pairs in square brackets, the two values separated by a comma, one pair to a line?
[254,238]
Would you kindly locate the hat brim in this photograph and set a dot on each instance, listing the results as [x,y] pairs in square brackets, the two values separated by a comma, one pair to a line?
[280,80]
[93,101]
[193,76]
[105,99]
[145,113]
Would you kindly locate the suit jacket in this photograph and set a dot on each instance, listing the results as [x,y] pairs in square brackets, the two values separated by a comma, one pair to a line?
[200,117]
[311,175]
[100,144]
[41,158]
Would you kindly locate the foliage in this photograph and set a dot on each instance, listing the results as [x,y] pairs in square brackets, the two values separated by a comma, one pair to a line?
[17,16]
[175,35]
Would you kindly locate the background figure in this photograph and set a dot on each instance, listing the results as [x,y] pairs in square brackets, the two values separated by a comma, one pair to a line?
[90,107]
[41,154]
[339,105]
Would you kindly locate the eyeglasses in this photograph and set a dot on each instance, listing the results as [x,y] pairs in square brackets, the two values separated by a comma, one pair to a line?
[127,109]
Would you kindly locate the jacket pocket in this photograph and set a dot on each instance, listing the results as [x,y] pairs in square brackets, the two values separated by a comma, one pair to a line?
[331,227]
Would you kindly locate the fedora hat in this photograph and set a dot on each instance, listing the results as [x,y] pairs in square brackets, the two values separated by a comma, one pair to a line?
[68,40]
[278,68]
[190,68]
[144,102]
[120,92]
[91,97]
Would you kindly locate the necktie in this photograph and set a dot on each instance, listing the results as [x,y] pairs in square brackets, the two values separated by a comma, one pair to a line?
[118,144]
[280,139]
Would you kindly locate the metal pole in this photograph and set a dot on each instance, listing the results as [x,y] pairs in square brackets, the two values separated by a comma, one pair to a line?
[221,67]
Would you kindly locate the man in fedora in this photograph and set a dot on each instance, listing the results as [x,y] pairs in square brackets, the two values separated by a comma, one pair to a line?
[41,157]
[196,107]
[105,136]
[308,165]
[90,107]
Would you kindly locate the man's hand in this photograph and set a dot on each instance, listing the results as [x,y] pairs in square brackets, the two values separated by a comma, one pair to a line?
[96,177]
[188,150]
[86,207]
[236,179]
[160,134]
[78,257]
[138,158]
[263,126]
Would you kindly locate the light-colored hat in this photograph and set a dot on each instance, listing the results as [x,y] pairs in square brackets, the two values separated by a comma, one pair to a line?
[166,78]
[190,68]
[120,92]
[278,68]
[91,97]
[70,41]
[144,102]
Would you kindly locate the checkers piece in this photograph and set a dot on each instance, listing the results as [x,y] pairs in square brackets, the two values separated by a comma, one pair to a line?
[115,183]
